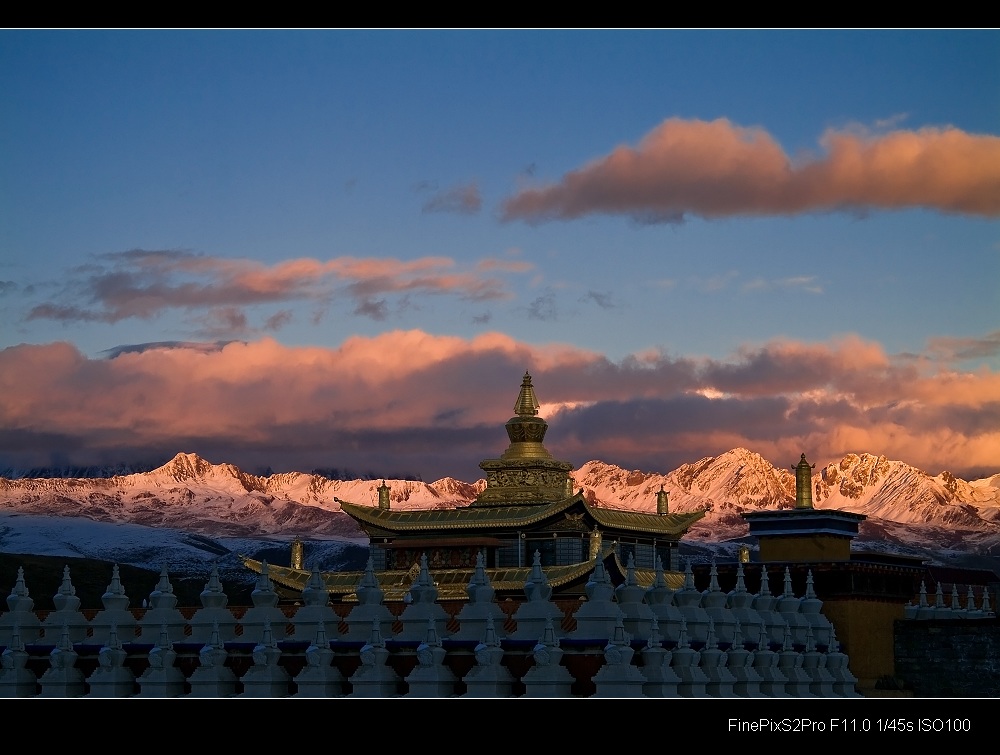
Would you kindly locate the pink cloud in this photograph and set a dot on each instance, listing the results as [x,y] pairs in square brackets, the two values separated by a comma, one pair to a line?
[143,284]
[718,169]
[507,266]
[413,402]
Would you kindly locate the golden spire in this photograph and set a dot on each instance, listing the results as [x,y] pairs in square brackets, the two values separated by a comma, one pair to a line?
[525,473]
[526,430]
[662,502]
[526,404]
[803,484]
[298,559]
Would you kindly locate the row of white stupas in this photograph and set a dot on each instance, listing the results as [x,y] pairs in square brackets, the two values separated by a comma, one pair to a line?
[954,609]
[655,642]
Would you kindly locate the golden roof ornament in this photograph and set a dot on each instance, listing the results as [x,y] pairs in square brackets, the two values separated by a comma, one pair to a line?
[526,430]
[803,484]
[526,404]
[525,473]
[662,502]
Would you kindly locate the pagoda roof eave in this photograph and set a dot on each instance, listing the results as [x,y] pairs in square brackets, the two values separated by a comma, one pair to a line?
[672,524]
[514,516]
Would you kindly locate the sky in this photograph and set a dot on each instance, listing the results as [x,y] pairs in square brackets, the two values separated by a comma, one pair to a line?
[293,250]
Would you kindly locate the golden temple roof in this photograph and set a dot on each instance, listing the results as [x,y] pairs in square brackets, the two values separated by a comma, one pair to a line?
[474,517]
[451,583]
[672,524]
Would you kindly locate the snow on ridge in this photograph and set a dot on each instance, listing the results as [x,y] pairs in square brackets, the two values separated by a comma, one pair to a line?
[151,548]
[192,493]
[737,477]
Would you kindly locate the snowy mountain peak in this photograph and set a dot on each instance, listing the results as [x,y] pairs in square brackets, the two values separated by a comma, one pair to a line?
[739,476]
[857,475]
[184,466]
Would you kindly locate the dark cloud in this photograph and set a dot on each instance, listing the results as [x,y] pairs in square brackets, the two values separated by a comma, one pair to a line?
[602,300]
[543,307]
[374,309]
[143,284]
[139,348]
[223,321]
[796,367]
[966,348]
[464,200]
[278,320]
[435,405]
[65,314]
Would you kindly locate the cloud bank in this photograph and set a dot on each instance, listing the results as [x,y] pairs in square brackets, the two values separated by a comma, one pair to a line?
[716,169]
[143,284]
[407,402]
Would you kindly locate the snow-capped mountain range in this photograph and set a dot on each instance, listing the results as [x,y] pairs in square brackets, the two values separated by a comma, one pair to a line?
[906,508]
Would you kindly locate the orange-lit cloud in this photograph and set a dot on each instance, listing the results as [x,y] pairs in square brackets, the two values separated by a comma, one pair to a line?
[507,266]
[408,402]
[142,284]
[718,169]
[966,348]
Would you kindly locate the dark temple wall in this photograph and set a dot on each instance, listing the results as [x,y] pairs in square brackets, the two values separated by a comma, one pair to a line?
[958,658]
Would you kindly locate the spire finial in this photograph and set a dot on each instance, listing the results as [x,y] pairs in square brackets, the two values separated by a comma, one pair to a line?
[688,576]
[713,582]
[810,591]
[765,586]
[526,404]
[740,583]
[662,502]
[658,579]
[803,484]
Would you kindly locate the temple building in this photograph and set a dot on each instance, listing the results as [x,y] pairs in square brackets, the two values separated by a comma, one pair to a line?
[528,506]
[863,593]
[804,533]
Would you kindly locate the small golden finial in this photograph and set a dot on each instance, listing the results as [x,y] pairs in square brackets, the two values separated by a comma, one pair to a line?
[526,404]
[298,559]
[662,502]
[596,542]
[383,496]
[803,484]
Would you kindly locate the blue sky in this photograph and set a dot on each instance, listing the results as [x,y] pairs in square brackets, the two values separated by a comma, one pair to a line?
[313,187]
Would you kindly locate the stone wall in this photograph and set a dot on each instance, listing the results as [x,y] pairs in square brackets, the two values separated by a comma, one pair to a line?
[939,658]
